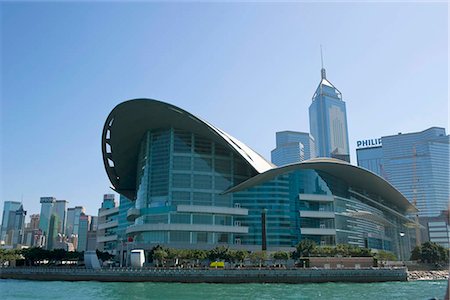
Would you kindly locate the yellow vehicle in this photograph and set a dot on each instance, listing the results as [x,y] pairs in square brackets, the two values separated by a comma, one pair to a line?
[217,264]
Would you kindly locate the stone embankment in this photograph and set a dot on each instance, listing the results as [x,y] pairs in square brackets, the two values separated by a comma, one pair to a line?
[428,275]
[207,275]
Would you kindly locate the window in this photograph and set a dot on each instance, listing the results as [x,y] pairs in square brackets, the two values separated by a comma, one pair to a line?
[181,181]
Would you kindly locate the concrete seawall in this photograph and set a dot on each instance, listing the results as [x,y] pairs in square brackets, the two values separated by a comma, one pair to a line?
[206,276]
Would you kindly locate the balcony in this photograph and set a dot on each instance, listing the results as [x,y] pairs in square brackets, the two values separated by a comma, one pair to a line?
[236,211]
[318,231]
[187,227]
[132,214]
[315,197]
[109,238]
[108,212]
[107,225]
[317,214]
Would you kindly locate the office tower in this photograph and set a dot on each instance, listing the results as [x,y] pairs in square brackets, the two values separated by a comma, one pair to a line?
[369,155]
[94,223]
[47,204]
[18,227]
[60,209]
[31,231]
[73,220]
[83,229]
[108,222]
[417,164]
[69,221]
[34,221]
[292,147]
[9,209]
[328,121]
[53,238]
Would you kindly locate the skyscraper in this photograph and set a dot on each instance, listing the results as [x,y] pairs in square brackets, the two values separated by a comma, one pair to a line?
[328,121]
[292,147]
[9,210]
[417,164]
[18,227]
[73,220]
[84,225]
[60,209]
[47,204]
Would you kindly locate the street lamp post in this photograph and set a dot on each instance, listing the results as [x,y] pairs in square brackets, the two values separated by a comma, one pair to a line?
[402,234]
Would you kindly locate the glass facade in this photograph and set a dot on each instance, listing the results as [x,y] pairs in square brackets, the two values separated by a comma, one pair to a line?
[328,121]
[180,180]
[309,204]
[417,164]
[371,159]
[198,187]
[293,147]
[9,209]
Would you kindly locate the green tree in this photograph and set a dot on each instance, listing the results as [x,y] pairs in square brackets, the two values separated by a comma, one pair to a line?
[305,248]
[219,253]
[240,256]
[258,257]
[430,252]
[281,255]
[8,255]
[159,255]
[104,255]
[382,255]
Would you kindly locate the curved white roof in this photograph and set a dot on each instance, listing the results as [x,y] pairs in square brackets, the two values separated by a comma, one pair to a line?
[130,120]
[354,176]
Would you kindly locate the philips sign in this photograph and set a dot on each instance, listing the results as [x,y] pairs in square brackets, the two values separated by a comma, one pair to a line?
[368,143]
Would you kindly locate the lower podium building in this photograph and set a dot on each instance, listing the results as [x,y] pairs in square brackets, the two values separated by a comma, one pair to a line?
[192,185]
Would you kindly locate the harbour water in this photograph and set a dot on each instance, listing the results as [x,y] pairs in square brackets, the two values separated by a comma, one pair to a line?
[22,289]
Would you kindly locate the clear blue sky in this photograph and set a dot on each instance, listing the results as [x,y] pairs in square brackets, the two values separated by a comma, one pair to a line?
[248,68]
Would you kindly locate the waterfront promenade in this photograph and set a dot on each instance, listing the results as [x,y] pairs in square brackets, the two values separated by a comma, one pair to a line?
[262,275]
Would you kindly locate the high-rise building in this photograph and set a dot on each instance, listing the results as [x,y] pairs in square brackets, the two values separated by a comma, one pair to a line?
[60,209]
[73,220]
[108,215]
[69,221]
[84,225]
[417,164]
[18,227]
[369,155]
[47,204]
[9,211]
[292,147]
[34,221]
[328,121]
[52,238]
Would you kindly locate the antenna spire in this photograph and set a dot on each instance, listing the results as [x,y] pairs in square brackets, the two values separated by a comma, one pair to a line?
[322,71]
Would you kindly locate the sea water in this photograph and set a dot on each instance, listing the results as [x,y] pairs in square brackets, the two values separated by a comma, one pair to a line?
[24,289]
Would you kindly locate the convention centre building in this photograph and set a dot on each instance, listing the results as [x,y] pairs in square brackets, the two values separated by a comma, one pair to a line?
[192,185]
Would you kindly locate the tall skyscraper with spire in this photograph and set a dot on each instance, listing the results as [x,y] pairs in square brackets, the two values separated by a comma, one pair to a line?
[328,120]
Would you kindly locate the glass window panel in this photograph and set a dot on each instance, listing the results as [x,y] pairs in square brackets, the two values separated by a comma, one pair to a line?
[181,180]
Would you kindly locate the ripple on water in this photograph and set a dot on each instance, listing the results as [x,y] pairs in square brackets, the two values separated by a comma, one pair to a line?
[17,289]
